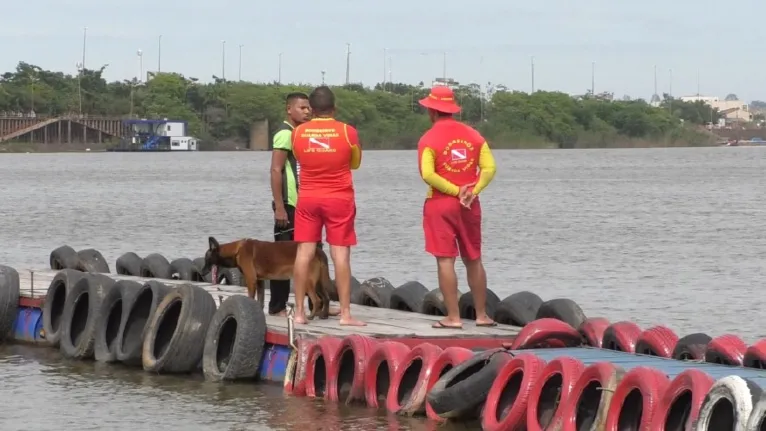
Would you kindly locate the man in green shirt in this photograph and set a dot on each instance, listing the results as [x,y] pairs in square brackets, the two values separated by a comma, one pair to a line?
[284,188]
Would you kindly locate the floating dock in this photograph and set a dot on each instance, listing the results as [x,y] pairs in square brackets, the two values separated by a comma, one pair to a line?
[546,374]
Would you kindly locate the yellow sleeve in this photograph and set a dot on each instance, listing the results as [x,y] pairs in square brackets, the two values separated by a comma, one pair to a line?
[356,157]
[486,168]
[429,175]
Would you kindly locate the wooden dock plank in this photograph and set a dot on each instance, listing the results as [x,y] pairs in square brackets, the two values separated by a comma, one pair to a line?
[381,322]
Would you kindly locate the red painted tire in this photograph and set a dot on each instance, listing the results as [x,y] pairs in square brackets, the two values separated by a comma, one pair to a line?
[592,330]
[407,393]
[621,336]
[450,357]
[503,410]
[381,368]
[349,367]
[657,341]
[297,385]
[319,382]
[546,332]
[551,392]
[682,401]
[628,411]
[591,397]
[755,355]
[727,349]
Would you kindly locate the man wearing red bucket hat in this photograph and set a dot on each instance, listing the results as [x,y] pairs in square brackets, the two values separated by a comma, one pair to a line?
[457,164]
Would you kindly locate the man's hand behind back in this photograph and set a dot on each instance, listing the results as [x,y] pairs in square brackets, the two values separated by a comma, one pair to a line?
[466,195]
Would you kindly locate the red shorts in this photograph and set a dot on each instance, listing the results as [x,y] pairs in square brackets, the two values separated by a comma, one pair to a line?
[450,228]
[337,216]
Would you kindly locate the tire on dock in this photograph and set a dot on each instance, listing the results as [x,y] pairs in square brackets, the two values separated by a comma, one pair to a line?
[408,297]
[407,394]
[755,356]
[728,404]
[592,330]
[139,309]
[551,393]
[518,309]
[64,257]
[507,400]
[726,349]
[458,393]
[81,314]
[433,303]
[657,341]
[682,400]
[450,358]
[637,399]
[563,309]
[621,337]
[374,292]
[381,368]
[230,276]
[9,300]
[468,309]
[691,347]
[184,269]
[546,332]
[757,419]
[110,320]
[351,358]
[175,339]
[91,260]
[53,306]
[234,340]
[200,264]
[355,286]
[591,396]
[319,384]
[155,265]
[129,264]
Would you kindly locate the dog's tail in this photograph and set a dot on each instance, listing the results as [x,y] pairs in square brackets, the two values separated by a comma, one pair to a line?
[324,272]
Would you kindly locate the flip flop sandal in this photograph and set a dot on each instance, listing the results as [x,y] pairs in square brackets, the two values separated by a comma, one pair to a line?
[486,325]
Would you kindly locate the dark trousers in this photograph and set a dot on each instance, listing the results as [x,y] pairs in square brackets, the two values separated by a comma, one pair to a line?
[280,289]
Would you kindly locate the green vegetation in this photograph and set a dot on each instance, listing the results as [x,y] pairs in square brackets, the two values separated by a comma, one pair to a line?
[387,118]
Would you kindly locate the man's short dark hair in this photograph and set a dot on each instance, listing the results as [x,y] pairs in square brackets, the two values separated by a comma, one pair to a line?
[297,95]
[322,100]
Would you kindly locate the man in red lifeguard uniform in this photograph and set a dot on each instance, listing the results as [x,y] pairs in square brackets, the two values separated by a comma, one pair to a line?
[457,164]
[326,150]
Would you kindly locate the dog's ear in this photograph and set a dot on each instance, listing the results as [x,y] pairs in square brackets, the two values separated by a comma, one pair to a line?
[213,243]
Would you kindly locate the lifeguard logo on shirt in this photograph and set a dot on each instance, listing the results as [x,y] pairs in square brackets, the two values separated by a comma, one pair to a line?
[320,140]
[458,156]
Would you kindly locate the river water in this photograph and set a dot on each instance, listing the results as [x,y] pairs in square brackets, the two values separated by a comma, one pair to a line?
[656,236]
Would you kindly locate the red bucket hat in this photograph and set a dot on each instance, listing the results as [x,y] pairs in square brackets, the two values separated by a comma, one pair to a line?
[441,99]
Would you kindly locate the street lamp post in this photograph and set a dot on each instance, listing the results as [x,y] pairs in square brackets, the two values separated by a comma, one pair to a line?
[140,55]
[239,77]
[223,60]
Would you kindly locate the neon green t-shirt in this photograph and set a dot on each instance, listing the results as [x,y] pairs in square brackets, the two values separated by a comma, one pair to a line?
[283,142]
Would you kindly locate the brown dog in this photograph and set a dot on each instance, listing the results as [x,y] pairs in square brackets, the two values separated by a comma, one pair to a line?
[266,260]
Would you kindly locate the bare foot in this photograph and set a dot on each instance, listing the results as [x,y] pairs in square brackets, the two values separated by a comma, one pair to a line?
[485,322]
[334,311]
[350,321]
[300,320]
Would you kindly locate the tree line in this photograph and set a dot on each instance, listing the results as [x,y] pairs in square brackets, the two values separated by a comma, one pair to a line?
[387,115]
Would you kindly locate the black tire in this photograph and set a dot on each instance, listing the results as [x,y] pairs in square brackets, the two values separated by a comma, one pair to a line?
[9,300]
[199,263]
[155,266]
[91,260]
[518,309]
[230,276]
[433,303]
[562,309]
[375,292]
[691,347]
[110,320]
[234,340]
[464,388]
[64,257]
[466,306]
[81,313]
[175,338]
[408,297]
[355,287]
[129,264]
[55,298]
[139,309]
[184,269]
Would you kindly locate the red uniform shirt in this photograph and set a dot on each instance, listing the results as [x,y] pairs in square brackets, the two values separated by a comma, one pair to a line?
[326,150]
[455,148]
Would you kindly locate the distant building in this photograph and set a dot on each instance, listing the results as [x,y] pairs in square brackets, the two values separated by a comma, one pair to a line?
[445,82]
[733,111]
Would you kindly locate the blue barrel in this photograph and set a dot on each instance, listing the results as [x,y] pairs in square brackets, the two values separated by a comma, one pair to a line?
[28,326]
[274,363]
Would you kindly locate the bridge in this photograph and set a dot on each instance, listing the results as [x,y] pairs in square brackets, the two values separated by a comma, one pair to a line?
[65,129]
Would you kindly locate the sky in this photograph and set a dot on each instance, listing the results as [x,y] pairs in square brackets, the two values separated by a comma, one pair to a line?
[705,44]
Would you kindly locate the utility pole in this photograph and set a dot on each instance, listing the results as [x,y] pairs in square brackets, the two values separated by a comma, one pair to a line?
[323,72]
[390,76]
[348,63]
[279,70]
[84,41]
[593,79]
[532,66]
[698,84]
[79,84]
[385,68]
[239,75]
[159,54]
[444,67]
[140,55]
[655,80]
[670,91]
[223,60]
